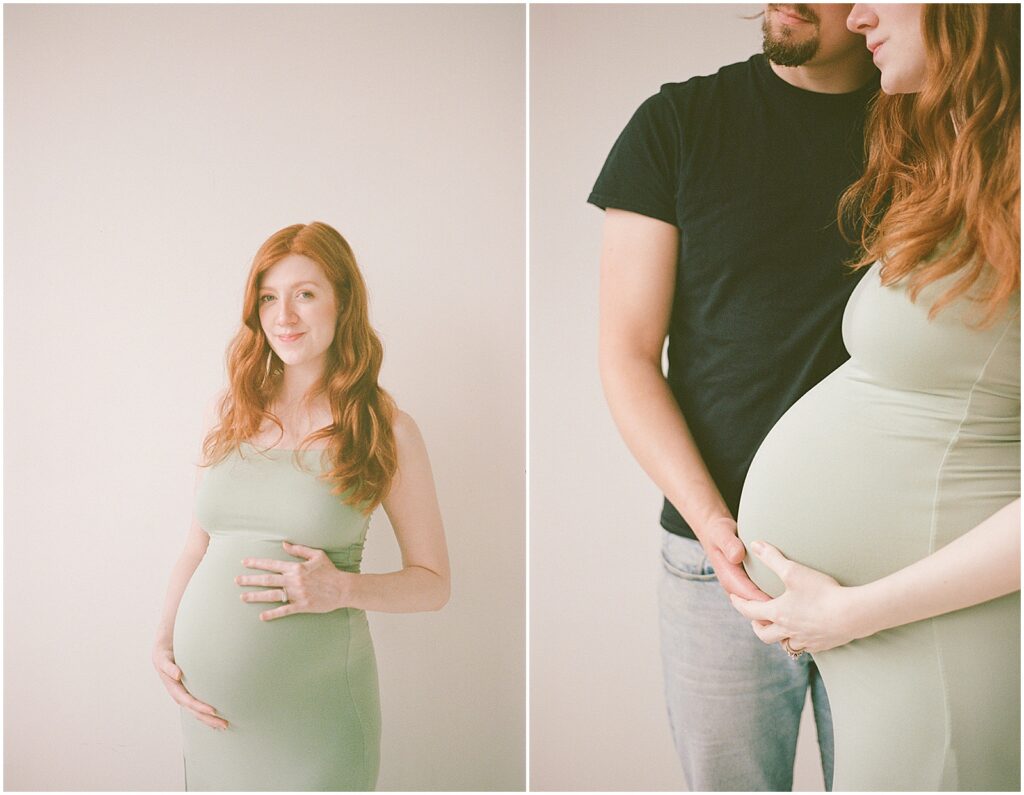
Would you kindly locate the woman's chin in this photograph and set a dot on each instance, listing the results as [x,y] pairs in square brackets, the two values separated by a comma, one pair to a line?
[294,359]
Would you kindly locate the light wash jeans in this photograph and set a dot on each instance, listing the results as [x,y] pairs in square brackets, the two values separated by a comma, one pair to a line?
[734,703]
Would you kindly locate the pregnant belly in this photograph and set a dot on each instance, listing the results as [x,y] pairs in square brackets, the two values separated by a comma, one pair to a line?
[844,483]
[231,659]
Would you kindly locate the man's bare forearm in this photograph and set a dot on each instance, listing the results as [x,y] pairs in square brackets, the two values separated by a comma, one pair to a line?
[656,433]
[638,267]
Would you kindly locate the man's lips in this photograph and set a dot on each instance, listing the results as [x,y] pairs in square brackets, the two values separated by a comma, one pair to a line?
[788,16]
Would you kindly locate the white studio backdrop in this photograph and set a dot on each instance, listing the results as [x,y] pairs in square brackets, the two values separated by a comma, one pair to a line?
[597,713]
[149,150]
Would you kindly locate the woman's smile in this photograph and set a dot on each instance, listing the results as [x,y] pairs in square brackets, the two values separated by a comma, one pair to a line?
[295,292]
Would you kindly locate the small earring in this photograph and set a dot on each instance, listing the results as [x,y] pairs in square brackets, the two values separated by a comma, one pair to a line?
[266,372]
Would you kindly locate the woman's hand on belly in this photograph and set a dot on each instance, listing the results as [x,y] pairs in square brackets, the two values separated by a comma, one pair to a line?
[170,675]
[814,613]
[313,586]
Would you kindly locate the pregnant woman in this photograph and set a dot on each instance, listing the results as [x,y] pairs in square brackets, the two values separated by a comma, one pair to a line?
[889,495]
[263,639]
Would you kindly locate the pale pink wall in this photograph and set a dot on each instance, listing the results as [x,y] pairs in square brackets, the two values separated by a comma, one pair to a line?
[148,151]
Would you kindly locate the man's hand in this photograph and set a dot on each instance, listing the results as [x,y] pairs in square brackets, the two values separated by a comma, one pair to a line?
[725,551]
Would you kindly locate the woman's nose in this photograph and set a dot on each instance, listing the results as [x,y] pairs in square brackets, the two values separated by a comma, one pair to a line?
[285,312]
[861,19]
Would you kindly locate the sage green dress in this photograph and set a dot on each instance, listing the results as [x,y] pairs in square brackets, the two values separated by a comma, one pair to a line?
[299,692]
[908,445]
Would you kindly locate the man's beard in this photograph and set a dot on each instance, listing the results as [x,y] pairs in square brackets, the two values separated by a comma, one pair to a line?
[781,49]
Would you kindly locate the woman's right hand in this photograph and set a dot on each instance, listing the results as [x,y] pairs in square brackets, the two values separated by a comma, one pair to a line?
[170,675]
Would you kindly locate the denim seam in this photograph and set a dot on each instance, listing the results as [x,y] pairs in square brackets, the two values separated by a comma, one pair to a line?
[683,574]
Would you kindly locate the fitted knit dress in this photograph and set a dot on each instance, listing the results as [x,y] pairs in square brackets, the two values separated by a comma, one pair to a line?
[299,692]
[908,445]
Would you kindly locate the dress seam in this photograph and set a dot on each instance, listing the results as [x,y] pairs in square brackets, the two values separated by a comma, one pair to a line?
[954,438]
[355,704]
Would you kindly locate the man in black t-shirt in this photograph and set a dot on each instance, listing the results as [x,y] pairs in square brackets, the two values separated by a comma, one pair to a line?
[721,234]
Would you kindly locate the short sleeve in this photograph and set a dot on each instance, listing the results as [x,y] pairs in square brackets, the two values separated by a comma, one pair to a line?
[640,174]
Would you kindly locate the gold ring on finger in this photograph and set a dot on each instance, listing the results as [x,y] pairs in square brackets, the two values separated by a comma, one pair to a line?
[794,654]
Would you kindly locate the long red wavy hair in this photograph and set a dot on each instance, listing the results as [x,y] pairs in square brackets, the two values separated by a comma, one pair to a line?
[940,194]
[360,441]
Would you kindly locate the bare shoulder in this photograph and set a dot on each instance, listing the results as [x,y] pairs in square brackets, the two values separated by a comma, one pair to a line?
[406,431]
[211,418]
[211,412]
[413,485]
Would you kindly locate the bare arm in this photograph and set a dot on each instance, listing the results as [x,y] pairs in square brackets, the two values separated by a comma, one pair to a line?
[978,566]
[638,268]
[196,542]
[423,582]
[816,613]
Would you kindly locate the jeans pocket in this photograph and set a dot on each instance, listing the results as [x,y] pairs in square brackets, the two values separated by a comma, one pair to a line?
[684,558]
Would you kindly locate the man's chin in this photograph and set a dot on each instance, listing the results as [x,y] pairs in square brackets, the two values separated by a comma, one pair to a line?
[790,53]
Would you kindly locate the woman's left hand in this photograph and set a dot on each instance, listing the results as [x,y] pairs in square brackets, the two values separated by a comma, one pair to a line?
[313,586]
[814,613]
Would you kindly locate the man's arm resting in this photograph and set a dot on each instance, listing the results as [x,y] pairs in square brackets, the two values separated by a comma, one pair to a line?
[638,268]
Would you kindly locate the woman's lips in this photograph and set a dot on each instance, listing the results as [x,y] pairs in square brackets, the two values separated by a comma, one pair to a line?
[289,337]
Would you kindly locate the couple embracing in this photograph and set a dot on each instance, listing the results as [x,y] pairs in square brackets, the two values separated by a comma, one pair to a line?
[828,235]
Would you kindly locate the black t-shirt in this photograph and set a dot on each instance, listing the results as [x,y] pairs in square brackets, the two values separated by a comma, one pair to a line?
[750,169]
